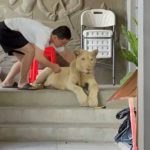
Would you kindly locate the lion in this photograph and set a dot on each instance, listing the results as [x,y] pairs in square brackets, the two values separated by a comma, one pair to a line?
[79,74]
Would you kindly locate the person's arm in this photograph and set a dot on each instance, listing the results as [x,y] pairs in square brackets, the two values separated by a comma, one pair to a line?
[44,61]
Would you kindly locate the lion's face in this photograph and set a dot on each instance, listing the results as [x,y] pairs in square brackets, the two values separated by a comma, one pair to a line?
[85,60]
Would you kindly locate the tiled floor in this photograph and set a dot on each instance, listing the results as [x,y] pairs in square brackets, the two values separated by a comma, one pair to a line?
[58,146]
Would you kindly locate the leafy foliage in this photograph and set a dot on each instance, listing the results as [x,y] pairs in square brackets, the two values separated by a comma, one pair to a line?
[132,54]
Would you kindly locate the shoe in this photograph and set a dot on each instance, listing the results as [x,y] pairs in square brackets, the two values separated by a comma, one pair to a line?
[15,85]
[27,87]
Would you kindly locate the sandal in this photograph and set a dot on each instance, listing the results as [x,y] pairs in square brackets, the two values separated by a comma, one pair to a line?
[27,87]
[14,85]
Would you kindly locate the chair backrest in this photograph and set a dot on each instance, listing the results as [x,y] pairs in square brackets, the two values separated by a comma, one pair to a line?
[97,31]
[98,39]
[98,18]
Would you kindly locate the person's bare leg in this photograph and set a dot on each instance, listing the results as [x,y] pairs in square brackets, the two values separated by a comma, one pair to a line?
[12,73]
[26,61]
[15,69]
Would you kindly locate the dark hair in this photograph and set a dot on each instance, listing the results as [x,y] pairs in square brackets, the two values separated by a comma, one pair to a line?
[63,32]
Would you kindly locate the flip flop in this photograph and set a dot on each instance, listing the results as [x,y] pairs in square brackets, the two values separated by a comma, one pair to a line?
[15,85]
[27,87]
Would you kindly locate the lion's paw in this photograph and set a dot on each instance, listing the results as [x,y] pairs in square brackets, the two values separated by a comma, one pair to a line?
[83,100]
[84,104]
[92,102]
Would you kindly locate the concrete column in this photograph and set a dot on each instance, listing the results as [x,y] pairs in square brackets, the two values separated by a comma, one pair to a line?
[144,75]
[132,12]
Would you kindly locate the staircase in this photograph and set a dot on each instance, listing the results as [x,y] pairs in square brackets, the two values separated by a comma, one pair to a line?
[54,115]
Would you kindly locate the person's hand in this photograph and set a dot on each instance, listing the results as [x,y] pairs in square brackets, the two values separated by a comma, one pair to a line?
[56,68]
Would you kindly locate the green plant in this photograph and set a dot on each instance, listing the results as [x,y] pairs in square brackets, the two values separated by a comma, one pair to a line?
[131,54]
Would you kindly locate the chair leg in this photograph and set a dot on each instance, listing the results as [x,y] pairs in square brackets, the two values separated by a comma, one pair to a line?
[113,66]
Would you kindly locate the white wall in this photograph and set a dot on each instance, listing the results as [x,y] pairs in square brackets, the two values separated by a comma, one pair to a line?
[144,75]
[132,12]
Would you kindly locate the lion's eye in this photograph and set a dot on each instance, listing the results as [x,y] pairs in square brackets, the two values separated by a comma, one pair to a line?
[82,58]
[92,59]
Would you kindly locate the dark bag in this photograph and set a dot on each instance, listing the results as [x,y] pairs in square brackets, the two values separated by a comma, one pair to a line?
[124,133]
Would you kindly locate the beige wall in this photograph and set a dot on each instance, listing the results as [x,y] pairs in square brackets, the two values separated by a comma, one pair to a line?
[52,13]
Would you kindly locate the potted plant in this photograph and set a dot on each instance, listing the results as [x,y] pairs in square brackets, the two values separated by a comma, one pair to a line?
[131,54]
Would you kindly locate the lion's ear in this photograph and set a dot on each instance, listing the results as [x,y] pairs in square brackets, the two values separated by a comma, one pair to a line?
[78,52]
[95,52]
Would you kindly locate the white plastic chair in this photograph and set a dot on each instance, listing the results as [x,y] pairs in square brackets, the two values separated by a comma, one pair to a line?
[97,32]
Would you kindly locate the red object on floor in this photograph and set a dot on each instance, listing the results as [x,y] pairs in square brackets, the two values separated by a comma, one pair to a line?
[49,53]
[133,122]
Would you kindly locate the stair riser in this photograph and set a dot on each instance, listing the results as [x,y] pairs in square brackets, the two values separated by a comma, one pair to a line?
[57,115]
[57,134]
[46,98]
[43,98]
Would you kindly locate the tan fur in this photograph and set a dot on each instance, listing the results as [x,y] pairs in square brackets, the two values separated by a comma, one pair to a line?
[75,77]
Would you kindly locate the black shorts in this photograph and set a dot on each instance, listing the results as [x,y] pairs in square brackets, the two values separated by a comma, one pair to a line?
[11,40]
